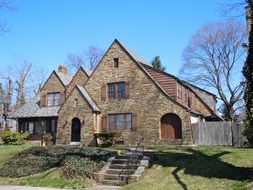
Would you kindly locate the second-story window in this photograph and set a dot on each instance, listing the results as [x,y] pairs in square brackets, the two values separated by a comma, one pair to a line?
[53,99]
[179,91]
[116,90]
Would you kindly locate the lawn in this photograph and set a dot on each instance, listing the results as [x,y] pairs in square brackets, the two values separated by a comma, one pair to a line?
[197,168]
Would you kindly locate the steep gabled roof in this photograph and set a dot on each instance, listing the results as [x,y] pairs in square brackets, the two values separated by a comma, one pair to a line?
[80,69]
[161,85]
[86,96]
[33,109]
[65,79]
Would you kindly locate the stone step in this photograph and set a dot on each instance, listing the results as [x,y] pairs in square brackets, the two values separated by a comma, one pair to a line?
[120,166]
[114,182]
[123,156]
[117,171]
[115,177]
[119,161]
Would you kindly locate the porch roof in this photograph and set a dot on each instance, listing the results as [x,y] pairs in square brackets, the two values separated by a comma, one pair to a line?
[33,109]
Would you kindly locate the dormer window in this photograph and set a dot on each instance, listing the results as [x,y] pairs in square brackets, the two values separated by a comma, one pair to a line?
[116,62]
[53,99]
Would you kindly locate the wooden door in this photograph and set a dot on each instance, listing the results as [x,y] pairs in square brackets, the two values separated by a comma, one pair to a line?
[76,130]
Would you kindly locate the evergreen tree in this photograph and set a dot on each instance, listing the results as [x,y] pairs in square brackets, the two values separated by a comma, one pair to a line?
[248,74]
[156,63]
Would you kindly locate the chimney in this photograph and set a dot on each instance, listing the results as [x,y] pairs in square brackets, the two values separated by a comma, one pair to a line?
[62,69]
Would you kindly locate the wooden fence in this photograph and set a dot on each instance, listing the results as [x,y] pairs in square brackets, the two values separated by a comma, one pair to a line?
[218,133]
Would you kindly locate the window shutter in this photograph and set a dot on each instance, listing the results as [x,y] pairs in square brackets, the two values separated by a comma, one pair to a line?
[127,89]
[104,123]
[43,100]
[134,122]
[103,92]
[62,96]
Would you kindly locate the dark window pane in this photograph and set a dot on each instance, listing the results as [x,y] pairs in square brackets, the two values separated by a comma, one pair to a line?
[120,121]
[121,90]
[129,121]
[111,122]
[111,90]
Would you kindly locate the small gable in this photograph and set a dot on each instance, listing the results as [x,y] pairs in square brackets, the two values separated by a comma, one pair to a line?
[79,78]
[79,100]
[53,84]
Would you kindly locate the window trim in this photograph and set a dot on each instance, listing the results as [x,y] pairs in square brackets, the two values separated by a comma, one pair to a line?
[114,94]
[115,121]
[54,99]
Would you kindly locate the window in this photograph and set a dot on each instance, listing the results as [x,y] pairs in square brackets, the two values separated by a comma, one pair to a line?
[53,125]
[116,90]
[190,102]
[116,62]
[179,91]
[120,121]
[121,90]
[53,99]
[31,127]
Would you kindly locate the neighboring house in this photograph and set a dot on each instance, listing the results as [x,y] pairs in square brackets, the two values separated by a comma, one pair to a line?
[123,93]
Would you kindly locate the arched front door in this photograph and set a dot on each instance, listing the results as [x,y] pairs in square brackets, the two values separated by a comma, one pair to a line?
[171,127]
[75,130]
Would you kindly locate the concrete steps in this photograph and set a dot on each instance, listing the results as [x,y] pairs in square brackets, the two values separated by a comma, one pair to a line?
[113,175]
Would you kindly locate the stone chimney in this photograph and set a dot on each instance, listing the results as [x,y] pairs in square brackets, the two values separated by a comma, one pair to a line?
[62,69]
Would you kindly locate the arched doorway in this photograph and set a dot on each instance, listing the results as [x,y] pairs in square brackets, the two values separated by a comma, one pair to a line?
[75,130]
[171,127]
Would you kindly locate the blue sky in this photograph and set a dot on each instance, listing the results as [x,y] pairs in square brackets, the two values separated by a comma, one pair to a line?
[44,32]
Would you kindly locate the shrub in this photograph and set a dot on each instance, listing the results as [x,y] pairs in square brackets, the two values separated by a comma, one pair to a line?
[47,138]
[109,138]
[38,159]
[78,167]
[13,138]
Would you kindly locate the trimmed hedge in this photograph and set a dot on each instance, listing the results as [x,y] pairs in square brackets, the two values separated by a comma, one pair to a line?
[13,138]
[37,159]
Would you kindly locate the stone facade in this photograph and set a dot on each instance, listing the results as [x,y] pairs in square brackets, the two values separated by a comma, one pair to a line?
[79,78]
[145,99]
[52,85]
[76,107]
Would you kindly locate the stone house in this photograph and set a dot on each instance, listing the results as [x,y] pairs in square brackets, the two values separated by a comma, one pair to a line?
[124,94]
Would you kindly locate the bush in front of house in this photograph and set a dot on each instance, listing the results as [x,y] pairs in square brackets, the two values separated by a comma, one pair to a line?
[108,138]
[13,138]
[38,159]
[78,167]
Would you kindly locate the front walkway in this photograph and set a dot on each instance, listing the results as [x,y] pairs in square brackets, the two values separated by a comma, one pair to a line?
[8,187]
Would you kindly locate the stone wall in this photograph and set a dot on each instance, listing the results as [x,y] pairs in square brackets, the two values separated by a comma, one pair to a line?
[52,85]
[146,99]
[79,78]
[75,106]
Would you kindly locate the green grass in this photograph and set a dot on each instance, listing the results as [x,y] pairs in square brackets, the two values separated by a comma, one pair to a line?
[50,178]
[197,168]
[8,151]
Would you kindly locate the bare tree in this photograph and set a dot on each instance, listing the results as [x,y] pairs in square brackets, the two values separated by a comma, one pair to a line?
[93,55]
[89,59]
[75,61]
[21,82]
[213,57]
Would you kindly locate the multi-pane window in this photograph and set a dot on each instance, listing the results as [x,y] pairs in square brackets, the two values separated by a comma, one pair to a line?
[179,91]
[120,121]
[53,99]
[116,90]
